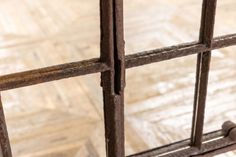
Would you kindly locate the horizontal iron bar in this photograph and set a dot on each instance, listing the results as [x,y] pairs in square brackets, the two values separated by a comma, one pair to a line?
[218,151]
[219,146]
[85,67]
[52,73]
[176,146]
[181,50]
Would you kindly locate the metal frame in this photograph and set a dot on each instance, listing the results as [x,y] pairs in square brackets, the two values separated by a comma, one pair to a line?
[112,65]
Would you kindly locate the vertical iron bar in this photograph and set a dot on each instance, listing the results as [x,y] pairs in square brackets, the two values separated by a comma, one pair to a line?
[5,149]
[113,81]
[203,65]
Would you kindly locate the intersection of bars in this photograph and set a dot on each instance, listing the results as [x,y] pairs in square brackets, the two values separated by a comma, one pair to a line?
[112,65]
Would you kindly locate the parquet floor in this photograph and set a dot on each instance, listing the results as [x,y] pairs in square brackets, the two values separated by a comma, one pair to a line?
[65,118]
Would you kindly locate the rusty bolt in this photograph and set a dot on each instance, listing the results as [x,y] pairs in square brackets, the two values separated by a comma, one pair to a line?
[227,127]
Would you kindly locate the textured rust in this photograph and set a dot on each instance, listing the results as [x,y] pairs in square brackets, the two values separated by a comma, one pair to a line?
[181,50]
[182,148]
[47,74]
[113,81]
[224,41]
[177,145]
[5,150]
[52,73]
[203,66]
[112,64]
[57,72]
[218,151]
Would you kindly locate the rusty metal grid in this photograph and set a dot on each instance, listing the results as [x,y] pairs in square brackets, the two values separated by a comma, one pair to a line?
[112,65]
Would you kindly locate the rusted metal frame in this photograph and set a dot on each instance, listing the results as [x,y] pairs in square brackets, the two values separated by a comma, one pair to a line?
[52,73]
[211,147]
[174,147]
[223,41]
[113,80]
[225,144]
[67,70]
[218,151]
[112,66]
[181,50]
[213,144]
[5,149]
[203,65]
[218,146]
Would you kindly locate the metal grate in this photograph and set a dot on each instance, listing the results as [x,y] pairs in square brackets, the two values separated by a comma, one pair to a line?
[112,65]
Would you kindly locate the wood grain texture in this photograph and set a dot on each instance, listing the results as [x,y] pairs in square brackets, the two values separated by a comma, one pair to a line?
[65,118]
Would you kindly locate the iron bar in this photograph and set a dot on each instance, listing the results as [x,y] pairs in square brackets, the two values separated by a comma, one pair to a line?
[176,146]
[223,41]
[176,51]
[113,80]
[57,72]
[5,149]
[214,143]
[218,151]
[67,70]
[203,66]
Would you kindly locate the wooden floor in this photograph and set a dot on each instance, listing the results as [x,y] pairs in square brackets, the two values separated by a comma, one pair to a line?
[65,118]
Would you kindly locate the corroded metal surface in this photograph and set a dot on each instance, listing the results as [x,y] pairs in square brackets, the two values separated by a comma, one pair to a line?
[113,81]
[5,149]
[67,70]
[210,147]
[53,73]
[203,67]
[112,64]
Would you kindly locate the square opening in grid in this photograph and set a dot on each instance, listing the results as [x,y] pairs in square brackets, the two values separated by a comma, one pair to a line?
[159,23]
[225,17]
[221,98]
[40,33]
[159,103]
[55,119]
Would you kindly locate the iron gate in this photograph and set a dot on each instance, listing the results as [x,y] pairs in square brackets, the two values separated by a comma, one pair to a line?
[112,65]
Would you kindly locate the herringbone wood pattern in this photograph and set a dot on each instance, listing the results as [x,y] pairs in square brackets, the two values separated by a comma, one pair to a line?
[65,118]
